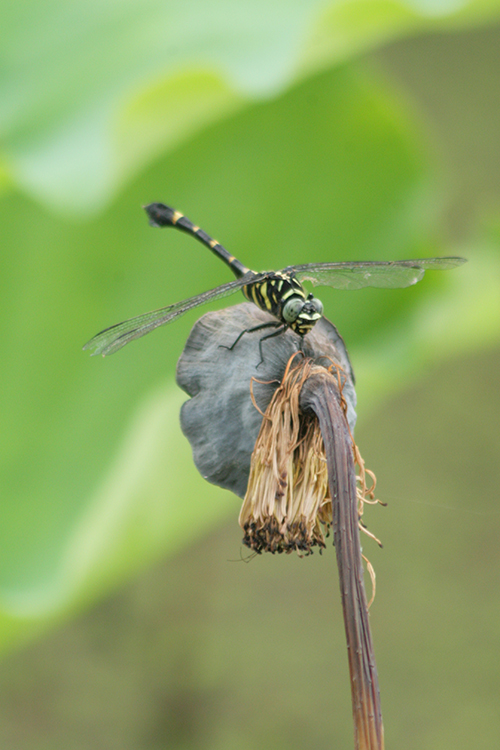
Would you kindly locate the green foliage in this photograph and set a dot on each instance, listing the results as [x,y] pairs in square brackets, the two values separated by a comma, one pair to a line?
[280,165]
[92,91]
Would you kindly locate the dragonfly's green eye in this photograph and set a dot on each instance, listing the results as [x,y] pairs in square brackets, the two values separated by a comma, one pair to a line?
[292,309]
[317,304]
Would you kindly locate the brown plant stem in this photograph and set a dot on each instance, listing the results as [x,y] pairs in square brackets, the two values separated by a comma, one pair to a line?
[320,394]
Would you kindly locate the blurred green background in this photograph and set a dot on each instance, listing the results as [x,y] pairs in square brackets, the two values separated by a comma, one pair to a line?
[292,132]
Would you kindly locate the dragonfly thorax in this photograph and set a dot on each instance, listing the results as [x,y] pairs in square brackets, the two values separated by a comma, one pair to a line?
[281,294]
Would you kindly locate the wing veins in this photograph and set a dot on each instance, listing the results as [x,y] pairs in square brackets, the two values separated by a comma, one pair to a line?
[382,274]
[114,337]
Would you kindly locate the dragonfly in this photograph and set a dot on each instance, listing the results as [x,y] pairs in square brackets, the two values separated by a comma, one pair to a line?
[279,293]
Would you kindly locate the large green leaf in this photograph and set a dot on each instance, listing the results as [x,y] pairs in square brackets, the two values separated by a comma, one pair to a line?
[91,91]
[96,478]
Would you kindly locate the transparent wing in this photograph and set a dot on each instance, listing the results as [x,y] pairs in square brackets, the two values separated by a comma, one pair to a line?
[113,338]
[391,274]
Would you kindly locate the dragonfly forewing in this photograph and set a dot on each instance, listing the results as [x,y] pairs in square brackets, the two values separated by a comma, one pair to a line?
[113,338]
[380,274]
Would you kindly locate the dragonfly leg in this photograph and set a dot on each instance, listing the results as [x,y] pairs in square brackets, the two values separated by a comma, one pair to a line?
[250,330]
[282,328]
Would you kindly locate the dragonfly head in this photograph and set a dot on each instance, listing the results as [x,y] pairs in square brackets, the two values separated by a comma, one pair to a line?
[301,315]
